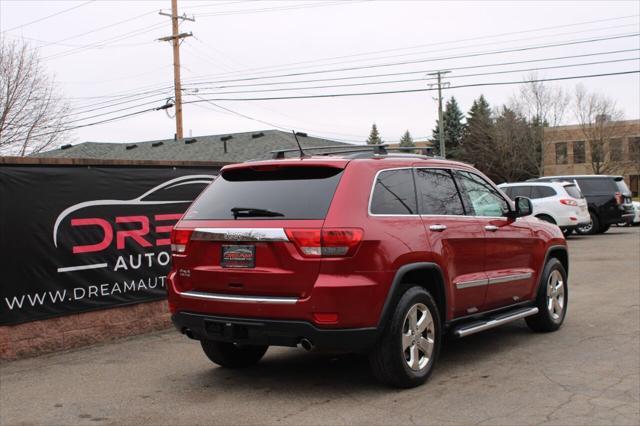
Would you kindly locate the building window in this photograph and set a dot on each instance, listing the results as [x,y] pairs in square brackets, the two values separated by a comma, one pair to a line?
[634,149]
[634,187]
[561,153]
[615,149]
[578,152]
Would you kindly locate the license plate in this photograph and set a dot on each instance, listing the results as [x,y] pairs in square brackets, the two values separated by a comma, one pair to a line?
[238,256]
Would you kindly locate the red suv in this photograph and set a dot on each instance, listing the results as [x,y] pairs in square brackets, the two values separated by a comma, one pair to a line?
[361,251]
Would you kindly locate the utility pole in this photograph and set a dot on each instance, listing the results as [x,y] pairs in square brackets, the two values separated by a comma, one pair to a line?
[440,118]
[175,38]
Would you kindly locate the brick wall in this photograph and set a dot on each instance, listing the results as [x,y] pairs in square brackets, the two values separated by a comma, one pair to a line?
[72,331]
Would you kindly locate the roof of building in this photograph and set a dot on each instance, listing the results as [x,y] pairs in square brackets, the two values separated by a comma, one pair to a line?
[634,122]
[239,147]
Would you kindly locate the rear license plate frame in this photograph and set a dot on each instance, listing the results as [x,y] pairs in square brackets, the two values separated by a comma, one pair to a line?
[238,256]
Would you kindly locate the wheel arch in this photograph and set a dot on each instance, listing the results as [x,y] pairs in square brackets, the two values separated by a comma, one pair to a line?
[557,252]
[547,214]
[425,274]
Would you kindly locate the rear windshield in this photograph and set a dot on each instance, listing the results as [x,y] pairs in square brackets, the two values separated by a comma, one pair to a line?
[282,193]
[622,187]
[597,186]
[573,191]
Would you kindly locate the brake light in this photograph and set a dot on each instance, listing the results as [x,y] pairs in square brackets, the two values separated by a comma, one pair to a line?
[328,242]
[568,202]
[619,199]
[179,239]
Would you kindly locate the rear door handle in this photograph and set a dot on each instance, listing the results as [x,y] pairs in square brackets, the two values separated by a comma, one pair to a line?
[491,228]
[438,227]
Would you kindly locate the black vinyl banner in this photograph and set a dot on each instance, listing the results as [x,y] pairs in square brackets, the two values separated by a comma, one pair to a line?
[78,238]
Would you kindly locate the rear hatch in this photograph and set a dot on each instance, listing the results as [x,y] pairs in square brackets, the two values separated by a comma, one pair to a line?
[238,233]
[574,192]
[624,195]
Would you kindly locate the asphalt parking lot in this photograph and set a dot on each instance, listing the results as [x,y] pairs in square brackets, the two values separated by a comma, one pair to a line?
[586,373]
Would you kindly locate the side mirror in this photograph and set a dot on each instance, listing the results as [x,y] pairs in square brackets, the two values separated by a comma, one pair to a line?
[523,207]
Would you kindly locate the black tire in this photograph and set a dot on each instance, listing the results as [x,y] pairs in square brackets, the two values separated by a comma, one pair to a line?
[231,355]
[567,231]
[546,218]
[389,357]
[603,229]
[590,229]
[549,318]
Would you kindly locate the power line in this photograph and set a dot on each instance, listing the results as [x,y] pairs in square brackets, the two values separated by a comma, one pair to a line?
[288,65]
[422,79]
[471,55]
[278,8]
[101,43]
[154,94]
[336,95]
[125,94]
[393,74]
[450,50]
[50,16]
[95,123]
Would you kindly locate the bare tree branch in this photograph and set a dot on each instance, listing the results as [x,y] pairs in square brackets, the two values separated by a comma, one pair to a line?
[599,120]
[32,113]
[543,105]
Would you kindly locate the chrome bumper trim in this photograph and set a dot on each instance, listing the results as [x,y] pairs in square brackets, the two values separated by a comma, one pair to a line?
[239,234]
[239,299]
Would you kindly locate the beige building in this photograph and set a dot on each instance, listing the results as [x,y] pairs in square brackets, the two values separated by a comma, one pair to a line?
[423,145]
[569,151]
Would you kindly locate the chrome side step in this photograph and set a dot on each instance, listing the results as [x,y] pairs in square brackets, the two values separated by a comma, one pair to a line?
[478,326]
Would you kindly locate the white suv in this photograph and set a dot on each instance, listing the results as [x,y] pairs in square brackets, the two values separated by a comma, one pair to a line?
[561,203]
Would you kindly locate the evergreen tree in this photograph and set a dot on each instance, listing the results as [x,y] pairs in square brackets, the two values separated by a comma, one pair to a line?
[407,140]
[477,138]
[453,130]
[374,136]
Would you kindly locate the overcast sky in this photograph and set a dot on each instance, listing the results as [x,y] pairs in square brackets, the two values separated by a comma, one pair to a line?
[98,64]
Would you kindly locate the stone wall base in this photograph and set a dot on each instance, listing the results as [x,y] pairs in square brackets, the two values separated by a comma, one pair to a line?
[76,330]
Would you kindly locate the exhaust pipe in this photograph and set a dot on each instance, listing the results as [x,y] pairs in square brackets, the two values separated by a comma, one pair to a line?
[187,332]
[306,345]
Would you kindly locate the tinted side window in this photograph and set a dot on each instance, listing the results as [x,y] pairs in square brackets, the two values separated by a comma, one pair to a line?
[437,193]
[542,192]
[394,193]
[520,191]
[483,198]
[597,186]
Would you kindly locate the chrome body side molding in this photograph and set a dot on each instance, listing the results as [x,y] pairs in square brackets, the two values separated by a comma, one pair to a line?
[505,279]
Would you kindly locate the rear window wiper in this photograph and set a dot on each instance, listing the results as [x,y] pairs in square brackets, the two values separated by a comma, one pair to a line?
[253,212]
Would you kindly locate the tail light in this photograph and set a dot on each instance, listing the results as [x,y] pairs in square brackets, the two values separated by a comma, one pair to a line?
[568,202]
[619,198]
[179,240]
[328,242]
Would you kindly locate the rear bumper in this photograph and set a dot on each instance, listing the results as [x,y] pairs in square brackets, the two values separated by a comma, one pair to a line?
[271,332]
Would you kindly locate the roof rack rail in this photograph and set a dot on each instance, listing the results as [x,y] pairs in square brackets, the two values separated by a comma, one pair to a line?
[278,154]
[382,149]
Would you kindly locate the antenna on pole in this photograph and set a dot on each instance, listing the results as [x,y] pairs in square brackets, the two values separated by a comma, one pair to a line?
[302,154]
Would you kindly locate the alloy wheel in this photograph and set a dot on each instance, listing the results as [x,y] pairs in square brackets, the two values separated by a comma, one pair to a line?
[585,229]
[418,334]
[555,295]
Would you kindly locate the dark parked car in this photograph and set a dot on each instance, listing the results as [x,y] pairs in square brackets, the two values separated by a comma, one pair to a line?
[367,252]
[609,200]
